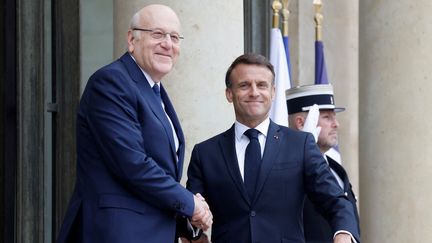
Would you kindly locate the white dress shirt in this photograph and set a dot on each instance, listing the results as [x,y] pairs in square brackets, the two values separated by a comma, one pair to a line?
[241,140]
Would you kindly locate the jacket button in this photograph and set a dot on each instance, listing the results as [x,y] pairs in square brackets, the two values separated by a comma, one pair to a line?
[177,205]
[252,213]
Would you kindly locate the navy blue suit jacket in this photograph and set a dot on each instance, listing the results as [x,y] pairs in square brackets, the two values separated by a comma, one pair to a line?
[316,227]
[292,166]
[127,186]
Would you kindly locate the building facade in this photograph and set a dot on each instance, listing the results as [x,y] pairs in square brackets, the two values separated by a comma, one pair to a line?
[377,60]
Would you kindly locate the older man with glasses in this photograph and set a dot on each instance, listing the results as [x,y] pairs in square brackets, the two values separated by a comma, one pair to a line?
[131,146]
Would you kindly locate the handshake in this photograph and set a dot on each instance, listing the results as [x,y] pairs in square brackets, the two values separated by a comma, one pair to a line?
[201,220]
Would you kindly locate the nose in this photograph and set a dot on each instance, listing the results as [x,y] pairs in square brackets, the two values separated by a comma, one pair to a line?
[166,40]
[167,37]
[335,122]
[254,90]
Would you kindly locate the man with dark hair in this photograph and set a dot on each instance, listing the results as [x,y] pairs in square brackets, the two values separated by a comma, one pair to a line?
[256,174]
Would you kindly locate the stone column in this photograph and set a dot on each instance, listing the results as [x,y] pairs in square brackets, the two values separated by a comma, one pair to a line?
[213,33]
[340,38]
[395,120]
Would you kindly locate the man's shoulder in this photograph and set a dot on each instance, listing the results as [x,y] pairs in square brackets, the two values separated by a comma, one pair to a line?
[113,67]
[228,134]
[288,132]
[114,71]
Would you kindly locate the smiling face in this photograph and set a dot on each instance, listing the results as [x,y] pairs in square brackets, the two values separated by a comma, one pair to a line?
[156,57]
[251,93]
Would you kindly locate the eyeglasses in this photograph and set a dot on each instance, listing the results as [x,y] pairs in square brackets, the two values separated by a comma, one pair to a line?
[160,35]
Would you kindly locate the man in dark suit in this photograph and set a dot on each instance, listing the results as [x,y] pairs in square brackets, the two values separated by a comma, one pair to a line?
[130,145]
[311,108]
[256,174]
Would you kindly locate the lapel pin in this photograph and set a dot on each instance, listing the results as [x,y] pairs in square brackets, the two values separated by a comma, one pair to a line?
[276,136]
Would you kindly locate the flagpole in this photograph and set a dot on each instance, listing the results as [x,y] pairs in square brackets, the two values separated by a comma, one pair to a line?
[276,6]
[285,35]
[278,58]
[285,15]
[318,20]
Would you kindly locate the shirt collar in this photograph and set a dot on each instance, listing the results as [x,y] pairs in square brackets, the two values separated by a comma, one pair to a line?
[149,79]
[240,128]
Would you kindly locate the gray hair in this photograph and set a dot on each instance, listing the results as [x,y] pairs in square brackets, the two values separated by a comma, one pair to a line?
[134,23]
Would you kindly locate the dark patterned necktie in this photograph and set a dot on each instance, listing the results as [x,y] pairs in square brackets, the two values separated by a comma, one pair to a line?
[252,161]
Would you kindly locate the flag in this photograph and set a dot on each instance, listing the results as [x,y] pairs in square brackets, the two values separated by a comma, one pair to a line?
[321,78]
[278,58]
[320,67]
[287,53]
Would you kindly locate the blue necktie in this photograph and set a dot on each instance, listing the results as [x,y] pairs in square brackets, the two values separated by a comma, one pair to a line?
[156,90]
[252,161]
[170,125]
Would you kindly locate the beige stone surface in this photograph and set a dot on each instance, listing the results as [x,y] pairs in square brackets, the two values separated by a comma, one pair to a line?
[395,120]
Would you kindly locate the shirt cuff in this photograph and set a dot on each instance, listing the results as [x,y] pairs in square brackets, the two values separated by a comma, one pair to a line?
[345,232]
[195,232]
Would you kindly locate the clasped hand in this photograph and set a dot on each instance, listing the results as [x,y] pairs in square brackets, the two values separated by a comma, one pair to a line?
[342,238]
[202,218]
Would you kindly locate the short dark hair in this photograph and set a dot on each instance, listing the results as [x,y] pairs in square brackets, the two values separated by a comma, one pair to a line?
[251,59]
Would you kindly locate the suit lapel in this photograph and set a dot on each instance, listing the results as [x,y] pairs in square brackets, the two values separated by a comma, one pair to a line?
[272,147]
[339,170]
[227,146]
[148,94]
[169,108]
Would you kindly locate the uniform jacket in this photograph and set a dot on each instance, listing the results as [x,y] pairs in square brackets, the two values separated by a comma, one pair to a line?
[127,186]
[317,229]
[292,166]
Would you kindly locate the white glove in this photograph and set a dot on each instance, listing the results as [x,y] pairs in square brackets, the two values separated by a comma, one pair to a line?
[312,122]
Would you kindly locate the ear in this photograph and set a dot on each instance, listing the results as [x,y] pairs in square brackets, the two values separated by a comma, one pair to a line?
[229,95]
[130,41]
[299,122]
